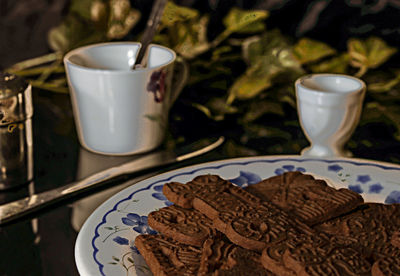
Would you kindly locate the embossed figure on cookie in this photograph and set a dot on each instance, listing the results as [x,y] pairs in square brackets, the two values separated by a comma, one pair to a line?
[187,226]
[373,225]
[272,259]
[183,194]
[311,200]
[325,255]
[256,233]
[388,266]
[395,240]
[245,219]
[220,257]
[315,255]
[165,256]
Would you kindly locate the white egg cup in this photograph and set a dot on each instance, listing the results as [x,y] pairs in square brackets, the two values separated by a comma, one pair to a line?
[329,108]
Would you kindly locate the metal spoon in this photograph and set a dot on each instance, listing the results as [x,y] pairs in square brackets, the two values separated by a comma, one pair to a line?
[147,37]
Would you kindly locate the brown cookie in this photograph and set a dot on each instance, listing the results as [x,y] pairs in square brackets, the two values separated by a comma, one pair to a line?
[183,195]
[309,199]
[372,225]
[184,225]
[272,259]
[388,266]
[245,219]
[165,256]
[366,217]
[224,258]
[395,240]
[325,255]
[318,254]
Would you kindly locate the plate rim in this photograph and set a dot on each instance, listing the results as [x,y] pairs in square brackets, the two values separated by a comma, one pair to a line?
[84,268]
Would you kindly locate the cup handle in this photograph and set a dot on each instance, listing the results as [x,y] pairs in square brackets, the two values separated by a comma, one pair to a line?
[180,78]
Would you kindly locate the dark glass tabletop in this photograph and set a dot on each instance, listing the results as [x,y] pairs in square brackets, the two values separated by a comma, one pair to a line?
[43,243]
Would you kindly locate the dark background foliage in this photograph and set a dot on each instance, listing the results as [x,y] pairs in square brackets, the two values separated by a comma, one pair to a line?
[24,23]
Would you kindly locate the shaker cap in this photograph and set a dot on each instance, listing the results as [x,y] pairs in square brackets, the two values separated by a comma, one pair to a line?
[15,99]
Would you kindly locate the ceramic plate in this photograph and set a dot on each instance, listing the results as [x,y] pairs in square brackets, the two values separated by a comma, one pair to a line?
[105,244]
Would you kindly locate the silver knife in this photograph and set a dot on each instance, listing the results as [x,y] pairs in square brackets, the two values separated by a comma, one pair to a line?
[18,208]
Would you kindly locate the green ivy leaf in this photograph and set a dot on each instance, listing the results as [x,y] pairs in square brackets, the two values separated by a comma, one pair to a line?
[219,107]
[369,53]
[121,19]
[256,130]
[243,21]
[173,14]
[203,109]
[215,109]
[233,149]
[253,48]
[259,108]
[73,32]
[270,59]
[375,111]
[61,38]
[384,86]
[191,38]
[308,50]
[248,86]
[336,65]
[93,21]
[99,13]
[220,51]
[82,7]
[183,30]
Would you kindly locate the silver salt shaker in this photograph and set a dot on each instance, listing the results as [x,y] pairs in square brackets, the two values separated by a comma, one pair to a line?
[16,149]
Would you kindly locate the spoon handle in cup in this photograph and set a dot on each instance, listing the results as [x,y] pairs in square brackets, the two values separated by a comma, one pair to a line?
[151,27]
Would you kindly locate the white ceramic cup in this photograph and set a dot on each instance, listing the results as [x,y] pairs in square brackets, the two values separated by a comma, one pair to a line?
[117,110]
[329,108]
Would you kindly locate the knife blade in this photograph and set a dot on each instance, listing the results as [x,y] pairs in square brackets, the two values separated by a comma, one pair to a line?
[18,208]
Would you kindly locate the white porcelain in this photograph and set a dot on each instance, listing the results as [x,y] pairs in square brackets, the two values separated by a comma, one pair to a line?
[115,108]
[90,163]
[106,243]
[329,108]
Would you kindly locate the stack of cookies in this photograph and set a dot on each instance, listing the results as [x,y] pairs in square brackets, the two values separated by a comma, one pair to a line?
[290,224]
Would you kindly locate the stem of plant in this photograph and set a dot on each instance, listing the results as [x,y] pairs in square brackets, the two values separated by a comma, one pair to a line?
[34,62]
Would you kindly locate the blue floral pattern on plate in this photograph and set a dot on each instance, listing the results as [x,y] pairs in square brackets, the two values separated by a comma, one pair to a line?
[363,183]
[393,197]
[160,196]
[139,223]
[245,179]
[108,236]
[288,168]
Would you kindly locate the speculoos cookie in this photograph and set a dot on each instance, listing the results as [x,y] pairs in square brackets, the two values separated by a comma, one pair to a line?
[307,198]
[165,256]
[245,219]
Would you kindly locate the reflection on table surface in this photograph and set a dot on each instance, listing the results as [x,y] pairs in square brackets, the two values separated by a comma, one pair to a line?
[90,163]
[43,243]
